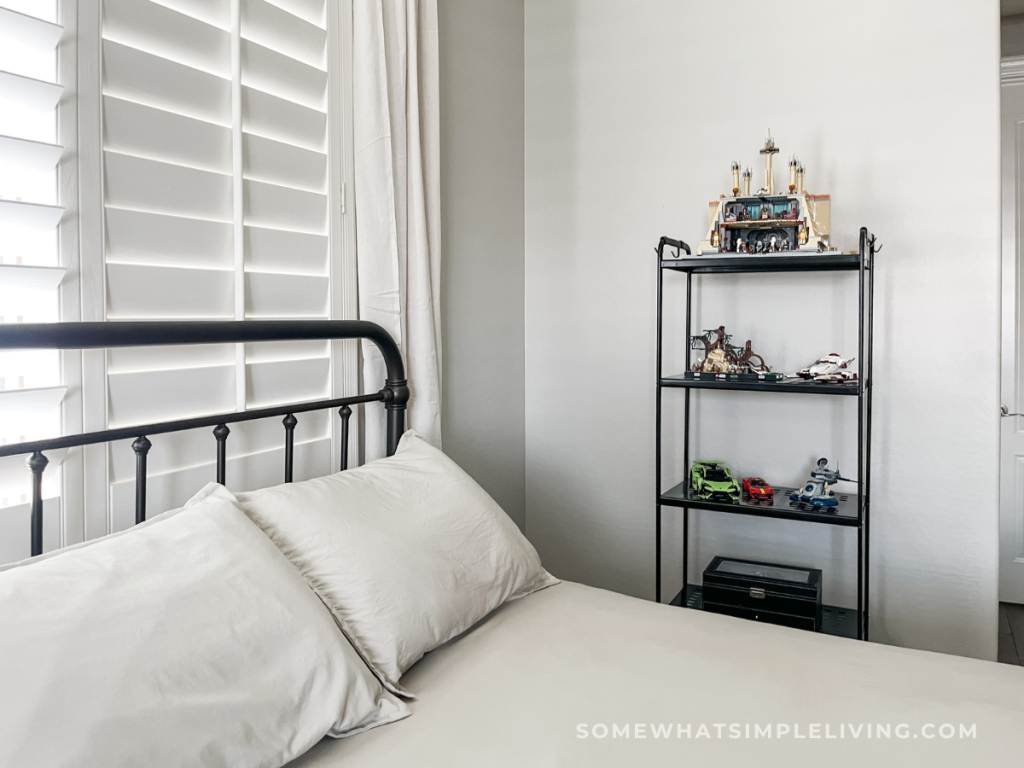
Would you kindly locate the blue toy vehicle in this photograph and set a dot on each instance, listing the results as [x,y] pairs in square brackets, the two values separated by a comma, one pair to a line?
[818,490]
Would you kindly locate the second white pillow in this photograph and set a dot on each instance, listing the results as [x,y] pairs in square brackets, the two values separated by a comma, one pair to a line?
[407,551]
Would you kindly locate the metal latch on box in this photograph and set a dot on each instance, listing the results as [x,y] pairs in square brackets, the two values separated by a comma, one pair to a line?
[757,592]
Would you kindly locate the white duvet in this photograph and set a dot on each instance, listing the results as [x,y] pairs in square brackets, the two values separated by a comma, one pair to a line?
[514,692]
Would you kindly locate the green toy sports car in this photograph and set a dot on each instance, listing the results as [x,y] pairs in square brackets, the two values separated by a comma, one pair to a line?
[713,481]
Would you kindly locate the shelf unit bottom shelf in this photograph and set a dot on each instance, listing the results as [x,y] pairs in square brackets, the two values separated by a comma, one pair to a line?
[840,622]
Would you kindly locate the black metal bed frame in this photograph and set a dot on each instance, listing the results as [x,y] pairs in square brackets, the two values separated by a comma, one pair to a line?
[394,394]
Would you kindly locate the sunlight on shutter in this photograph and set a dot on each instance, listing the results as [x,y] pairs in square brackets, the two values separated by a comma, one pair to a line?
[31,390]
[178,148]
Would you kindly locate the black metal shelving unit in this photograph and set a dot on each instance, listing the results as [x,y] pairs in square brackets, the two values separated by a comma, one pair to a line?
[854,510]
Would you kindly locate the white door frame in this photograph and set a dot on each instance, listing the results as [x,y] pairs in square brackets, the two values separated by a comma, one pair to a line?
[1011,469]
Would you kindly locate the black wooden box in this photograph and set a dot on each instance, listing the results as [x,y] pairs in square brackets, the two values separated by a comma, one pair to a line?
[776,594]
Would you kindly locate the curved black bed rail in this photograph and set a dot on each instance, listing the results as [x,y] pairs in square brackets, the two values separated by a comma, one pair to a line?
[394,394]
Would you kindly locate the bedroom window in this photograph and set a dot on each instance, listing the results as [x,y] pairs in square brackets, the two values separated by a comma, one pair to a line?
[223,194]
[31,270]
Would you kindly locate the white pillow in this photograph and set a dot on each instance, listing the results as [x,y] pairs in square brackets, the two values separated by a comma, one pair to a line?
[214,490]
[191,642]
[408,551]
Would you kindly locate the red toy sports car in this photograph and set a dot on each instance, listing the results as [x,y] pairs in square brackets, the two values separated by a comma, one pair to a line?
[757,490]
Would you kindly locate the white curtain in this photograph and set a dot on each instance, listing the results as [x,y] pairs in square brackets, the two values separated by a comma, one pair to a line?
[397,168]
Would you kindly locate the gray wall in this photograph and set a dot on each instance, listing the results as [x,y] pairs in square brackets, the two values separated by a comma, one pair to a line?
[482,210]
[633,115]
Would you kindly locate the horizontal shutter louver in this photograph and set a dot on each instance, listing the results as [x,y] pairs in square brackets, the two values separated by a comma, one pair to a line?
[277,162]
[29,155]
[21,28]
[135,75]
[30,215]
[278,250]
[266,115]
[32,279]
[156,134]
[29,93]
[140,237]
[168,34]
[216,13]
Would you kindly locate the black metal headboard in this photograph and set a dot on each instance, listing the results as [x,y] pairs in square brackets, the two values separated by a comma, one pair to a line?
[394,394]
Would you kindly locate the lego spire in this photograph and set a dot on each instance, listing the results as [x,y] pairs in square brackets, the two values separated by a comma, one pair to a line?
[769,150]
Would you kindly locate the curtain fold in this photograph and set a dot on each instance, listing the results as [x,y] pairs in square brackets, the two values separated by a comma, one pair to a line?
[397,197]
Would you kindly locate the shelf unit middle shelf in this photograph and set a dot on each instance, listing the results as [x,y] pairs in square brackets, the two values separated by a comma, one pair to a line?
[781,508]
[792,385]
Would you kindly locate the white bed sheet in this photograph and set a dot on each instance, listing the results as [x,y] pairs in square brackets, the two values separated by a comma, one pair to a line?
[513,691]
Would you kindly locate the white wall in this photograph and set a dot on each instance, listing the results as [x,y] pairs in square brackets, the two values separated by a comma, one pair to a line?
[633,114]
[481,71]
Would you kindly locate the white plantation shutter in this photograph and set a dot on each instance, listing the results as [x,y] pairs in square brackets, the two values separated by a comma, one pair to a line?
[218,159]
[31,390]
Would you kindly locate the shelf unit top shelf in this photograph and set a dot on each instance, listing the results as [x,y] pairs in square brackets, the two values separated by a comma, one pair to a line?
[790,385]
[783,262]
[781,508]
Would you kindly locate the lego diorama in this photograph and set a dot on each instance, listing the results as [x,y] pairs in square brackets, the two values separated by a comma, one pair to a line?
[766,221]
[723,360]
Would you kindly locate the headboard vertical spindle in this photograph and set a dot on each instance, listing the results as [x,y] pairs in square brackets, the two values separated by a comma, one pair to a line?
[37,463]
[141,447]
[345,412]
[221,432]
[289,445]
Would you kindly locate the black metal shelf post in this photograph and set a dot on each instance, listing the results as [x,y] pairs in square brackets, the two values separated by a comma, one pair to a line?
[854,511]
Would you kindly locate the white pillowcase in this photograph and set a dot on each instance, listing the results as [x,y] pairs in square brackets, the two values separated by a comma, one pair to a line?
[408,551]
[210,489]
[191,642]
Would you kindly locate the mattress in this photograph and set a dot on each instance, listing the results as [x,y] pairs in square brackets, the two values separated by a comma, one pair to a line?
[577,676]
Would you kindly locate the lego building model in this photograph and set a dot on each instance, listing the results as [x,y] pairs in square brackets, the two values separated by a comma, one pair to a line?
[767,221]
